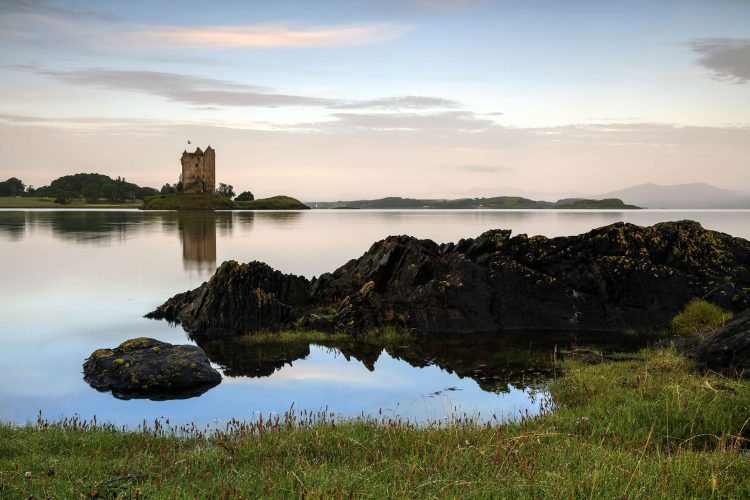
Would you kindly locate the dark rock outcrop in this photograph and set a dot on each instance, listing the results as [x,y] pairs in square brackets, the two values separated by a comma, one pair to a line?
[725,350]
[238,298]
[147,368]
[614,278]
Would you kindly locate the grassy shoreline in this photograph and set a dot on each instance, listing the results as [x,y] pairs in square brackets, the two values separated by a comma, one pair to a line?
[162,202]
[648,426]
[32,202]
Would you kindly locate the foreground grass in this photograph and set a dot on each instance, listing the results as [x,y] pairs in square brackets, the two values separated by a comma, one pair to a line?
[32,202]
[648,427]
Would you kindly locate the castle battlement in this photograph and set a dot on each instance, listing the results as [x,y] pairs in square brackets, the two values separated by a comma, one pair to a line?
[199,171]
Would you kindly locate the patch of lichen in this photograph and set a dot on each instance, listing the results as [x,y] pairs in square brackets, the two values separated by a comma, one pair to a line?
[137,343]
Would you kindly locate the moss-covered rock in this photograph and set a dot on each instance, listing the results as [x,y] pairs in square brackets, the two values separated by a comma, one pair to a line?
[148,368]
[725,349]
[615,278]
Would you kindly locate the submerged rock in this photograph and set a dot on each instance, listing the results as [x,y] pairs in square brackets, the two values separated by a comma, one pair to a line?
[725,350]
[615,278]
[148,368]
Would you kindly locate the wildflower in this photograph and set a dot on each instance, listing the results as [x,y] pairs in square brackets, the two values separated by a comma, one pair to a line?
[582,420]
[28,474]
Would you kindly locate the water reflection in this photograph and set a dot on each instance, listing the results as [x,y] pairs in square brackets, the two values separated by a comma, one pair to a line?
[13,226]
[198,237]
[498,363]
[285,220]
[75,281]
[88,226]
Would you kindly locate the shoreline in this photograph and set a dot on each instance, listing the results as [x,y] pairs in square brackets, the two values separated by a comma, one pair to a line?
[652,425]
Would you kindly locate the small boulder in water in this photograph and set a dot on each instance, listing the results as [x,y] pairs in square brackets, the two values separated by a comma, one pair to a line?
[148,368]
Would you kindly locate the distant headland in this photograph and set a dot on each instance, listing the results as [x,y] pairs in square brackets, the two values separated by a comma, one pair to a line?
[498,202]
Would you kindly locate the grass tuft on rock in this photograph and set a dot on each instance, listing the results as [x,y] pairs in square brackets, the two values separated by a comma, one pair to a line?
[699,316]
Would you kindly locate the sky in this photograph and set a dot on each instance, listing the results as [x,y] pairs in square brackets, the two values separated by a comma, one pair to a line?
[346,99]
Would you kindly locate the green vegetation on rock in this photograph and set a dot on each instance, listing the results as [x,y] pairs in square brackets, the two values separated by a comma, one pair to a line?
[273,203]
[699,316]
[653,428]
[188,201]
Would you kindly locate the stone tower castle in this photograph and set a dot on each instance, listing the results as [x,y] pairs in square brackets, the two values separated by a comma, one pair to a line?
[199,171]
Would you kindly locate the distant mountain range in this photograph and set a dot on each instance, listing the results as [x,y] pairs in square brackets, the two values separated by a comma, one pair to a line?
[499,202]
[695,195]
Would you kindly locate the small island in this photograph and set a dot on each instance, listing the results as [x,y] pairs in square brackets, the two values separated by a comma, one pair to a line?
[196,190]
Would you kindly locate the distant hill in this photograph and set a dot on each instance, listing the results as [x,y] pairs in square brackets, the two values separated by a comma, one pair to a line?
[273,203]
[695,195]
[499,202]
[95,186]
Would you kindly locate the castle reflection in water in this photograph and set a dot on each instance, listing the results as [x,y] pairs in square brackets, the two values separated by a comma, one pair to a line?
[198,236]
[198,231]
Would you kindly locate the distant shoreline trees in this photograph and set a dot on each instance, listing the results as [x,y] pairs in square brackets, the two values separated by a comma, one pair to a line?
[99,188]
[92,187]
[245,196]
[225,190]
[13,187]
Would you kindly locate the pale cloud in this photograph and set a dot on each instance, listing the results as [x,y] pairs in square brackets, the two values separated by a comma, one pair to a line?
[458,121]
[441,5]
[195,90]
[265,35]
[46,10]
[403,102]
[727,58]
[482,169]
[142,125]
[210,92]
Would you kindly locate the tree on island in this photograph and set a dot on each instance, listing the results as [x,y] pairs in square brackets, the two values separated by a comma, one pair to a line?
[91,192]
[225,190]
[245,196]
[73,186]
[12,187]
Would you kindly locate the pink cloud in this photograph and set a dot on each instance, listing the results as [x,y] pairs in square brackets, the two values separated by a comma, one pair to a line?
[267,35]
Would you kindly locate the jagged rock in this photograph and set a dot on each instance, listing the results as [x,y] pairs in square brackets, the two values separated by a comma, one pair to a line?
[614,278]
[148,368]
[725,350]
[239,298]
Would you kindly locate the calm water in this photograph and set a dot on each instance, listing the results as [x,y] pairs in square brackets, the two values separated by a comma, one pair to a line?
[75,281]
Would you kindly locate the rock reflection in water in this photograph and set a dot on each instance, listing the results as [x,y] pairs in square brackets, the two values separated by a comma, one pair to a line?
[497,362]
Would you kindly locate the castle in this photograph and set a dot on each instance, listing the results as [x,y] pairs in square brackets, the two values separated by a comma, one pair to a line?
[199,171]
